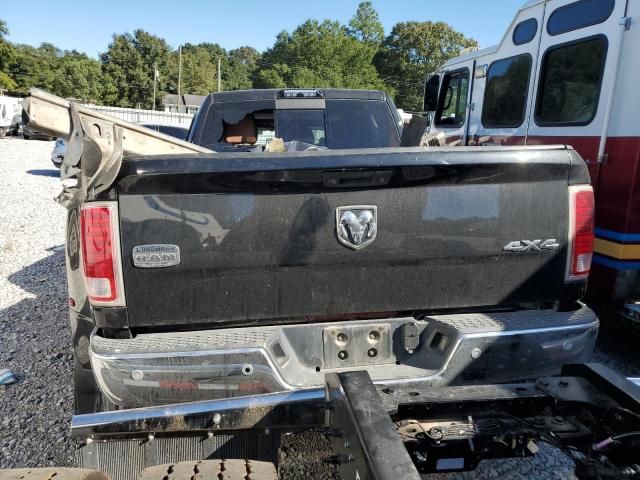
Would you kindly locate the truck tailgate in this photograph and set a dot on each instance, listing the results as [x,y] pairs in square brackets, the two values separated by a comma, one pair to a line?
[258,233]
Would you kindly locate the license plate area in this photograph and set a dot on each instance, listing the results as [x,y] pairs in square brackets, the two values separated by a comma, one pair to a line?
[356,346]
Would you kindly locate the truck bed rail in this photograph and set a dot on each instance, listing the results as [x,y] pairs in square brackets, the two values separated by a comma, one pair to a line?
[97,142]
[52,114]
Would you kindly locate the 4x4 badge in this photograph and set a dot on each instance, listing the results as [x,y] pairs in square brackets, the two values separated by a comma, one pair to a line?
[531,245]
[357,225]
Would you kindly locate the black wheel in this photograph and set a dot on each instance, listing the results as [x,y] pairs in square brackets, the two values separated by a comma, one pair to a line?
[51,472]
[212,469]
[3,132]
[26,137]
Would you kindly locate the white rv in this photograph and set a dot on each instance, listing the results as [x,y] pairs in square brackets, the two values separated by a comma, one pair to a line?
[565,72]
[10,115]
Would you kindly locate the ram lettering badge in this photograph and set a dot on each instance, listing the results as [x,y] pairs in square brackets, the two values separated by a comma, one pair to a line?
[156,256]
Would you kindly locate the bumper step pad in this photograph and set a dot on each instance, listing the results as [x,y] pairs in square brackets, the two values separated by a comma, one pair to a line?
[492,347]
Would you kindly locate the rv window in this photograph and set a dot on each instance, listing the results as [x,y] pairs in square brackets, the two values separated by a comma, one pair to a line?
[452,104]
[505,94]
[570,82]
[525,31]
[579,14]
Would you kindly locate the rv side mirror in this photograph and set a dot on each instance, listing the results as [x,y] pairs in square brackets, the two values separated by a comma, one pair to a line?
[431,87]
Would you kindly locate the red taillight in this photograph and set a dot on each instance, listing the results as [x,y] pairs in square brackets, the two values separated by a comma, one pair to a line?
[100,254]
[581,231]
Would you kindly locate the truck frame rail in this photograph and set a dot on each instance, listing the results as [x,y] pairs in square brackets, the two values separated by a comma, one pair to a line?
[404,431]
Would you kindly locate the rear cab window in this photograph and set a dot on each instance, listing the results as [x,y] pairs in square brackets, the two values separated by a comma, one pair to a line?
[341,124]
[452,104]
[302,125]
[360,124]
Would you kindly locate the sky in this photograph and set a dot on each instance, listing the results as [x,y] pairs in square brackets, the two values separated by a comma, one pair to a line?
[87,25]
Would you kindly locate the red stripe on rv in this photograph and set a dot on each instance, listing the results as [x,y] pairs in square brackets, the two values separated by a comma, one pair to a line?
[616,183]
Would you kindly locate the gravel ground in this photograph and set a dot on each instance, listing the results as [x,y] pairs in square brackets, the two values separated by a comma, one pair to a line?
[34,332]
[35,341]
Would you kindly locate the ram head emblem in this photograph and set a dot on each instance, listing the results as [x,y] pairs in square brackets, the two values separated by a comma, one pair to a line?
[357,226]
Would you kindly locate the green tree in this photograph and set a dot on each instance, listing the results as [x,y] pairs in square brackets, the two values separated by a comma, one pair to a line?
[154,51]
[411,51]
[239,71]
[319,54]
[7,58]
[128,69]
[78,77]
[199,74]
[213,49]
[365,25]
[67,74]
[35,67]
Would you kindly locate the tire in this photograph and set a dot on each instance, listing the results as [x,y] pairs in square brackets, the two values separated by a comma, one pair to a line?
[52,472]
[26,137]
[211,469]
[3,132]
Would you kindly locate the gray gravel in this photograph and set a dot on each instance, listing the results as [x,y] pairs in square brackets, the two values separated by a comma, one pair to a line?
[35,341]
[34,332]
[306,456]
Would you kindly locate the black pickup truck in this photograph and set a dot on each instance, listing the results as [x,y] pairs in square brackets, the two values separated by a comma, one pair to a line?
[211,275]
[289,269]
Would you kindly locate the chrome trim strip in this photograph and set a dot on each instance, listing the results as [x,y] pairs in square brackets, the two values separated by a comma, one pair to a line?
[140,419]
[531,331]
[635,380]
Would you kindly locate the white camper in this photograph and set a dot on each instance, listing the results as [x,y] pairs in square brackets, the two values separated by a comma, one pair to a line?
[10,115]
[565,72]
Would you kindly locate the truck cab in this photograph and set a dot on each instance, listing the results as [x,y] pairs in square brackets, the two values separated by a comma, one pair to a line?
[246,120]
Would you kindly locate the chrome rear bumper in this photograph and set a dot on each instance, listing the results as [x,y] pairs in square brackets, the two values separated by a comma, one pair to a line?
[161,368]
